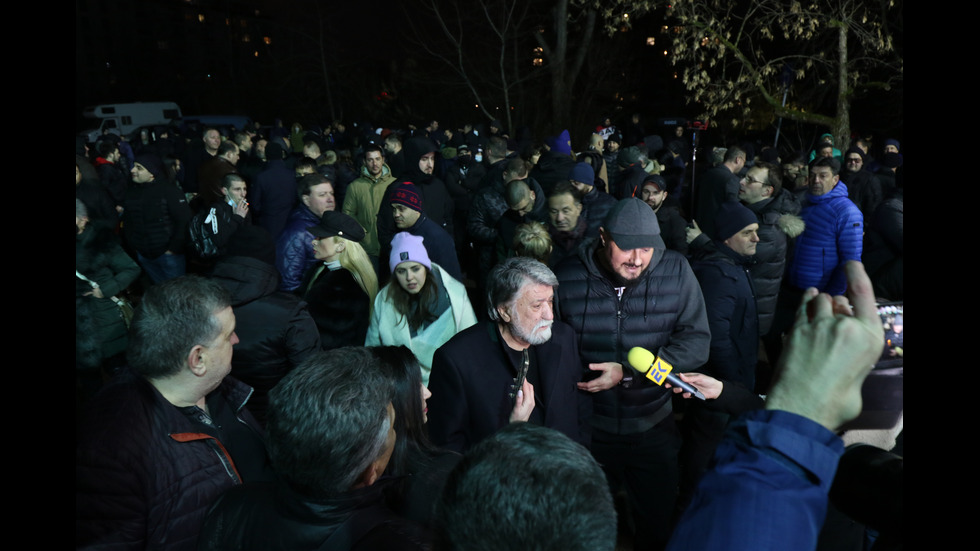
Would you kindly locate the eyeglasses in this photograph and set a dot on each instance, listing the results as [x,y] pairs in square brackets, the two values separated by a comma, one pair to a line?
[751,180]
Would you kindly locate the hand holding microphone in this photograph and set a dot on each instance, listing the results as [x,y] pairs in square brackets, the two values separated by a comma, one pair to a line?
[658,370]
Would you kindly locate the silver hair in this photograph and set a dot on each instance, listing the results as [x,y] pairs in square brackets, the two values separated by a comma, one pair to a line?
[507,279]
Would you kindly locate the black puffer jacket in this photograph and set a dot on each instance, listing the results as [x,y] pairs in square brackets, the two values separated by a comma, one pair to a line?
[275,329]
[145,475]
[663,312]
[779,225]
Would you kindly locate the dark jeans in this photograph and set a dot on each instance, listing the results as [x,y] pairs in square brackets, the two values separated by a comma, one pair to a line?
[646,465]
[163,267]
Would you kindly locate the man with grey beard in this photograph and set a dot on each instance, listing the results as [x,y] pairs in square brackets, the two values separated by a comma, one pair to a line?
[522,365]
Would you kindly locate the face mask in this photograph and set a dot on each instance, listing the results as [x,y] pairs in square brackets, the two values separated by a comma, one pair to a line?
[478,158]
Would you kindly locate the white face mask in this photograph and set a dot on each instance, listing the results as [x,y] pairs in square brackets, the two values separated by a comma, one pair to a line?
[478,158]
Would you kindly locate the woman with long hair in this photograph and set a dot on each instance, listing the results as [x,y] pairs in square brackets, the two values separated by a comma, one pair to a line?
[419,467]
[342,285]
[422,306]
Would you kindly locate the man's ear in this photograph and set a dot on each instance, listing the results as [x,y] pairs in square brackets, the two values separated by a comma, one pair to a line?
[197,360]
[504,314]
[370,475]
[602,236]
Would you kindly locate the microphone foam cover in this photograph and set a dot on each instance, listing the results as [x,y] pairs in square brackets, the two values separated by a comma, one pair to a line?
[640,359]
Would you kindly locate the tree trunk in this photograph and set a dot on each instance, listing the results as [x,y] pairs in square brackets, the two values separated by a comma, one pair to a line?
[842,126]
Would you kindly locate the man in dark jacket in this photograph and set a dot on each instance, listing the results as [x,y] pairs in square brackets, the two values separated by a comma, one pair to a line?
[863,187]
[729,298]
[473,399]
[622,290]
[716,186]
[567,222]
[331,435]
[213,171]
[112,175]
[487,208]
[597,203]
[407,211]
[273,192]
[777,211]
[161,442]
[673,227]
[275,329]
[155,220]
[419,169]
[212,228]
[556,163]
[294,247]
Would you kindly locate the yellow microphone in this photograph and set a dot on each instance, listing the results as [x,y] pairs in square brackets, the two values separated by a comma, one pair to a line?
[658,370]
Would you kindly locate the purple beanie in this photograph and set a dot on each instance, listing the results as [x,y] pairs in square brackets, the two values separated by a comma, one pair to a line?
[406,247]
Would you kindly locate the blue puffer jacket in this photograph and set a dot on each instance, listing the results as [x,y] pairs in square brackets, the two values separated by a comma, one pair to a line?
[294,248]
[833,235]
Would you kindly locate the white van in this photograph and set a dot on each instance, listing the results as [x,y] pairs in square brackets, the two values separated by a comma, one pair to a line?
[127,117]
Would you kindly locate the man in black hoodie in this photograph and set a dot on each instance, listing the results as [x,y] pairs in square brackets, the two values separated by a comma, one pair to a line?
[155,220]
[437,203]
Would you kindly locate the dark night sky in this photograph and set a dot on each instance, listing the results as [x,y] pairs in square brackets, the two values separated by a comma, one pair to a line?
[207,68]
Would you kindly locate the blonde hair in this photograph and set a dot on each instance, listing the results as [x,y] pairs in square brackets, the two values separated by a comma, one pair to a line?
[356,261]
[532,239]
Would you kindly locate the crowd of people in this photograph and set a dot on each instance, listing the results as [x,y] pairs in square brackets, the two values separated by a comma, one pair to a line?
[427,333]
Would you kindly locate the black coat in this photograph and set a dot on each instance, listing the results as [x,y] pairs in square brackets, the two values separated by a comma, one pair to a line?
[673,228]
[884,255]
[275,329]
[272,196]
[552,168]
[732,316]
[271,516]
[471,378]
[156,218]
[716,186]
[864,190]
[340,308]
